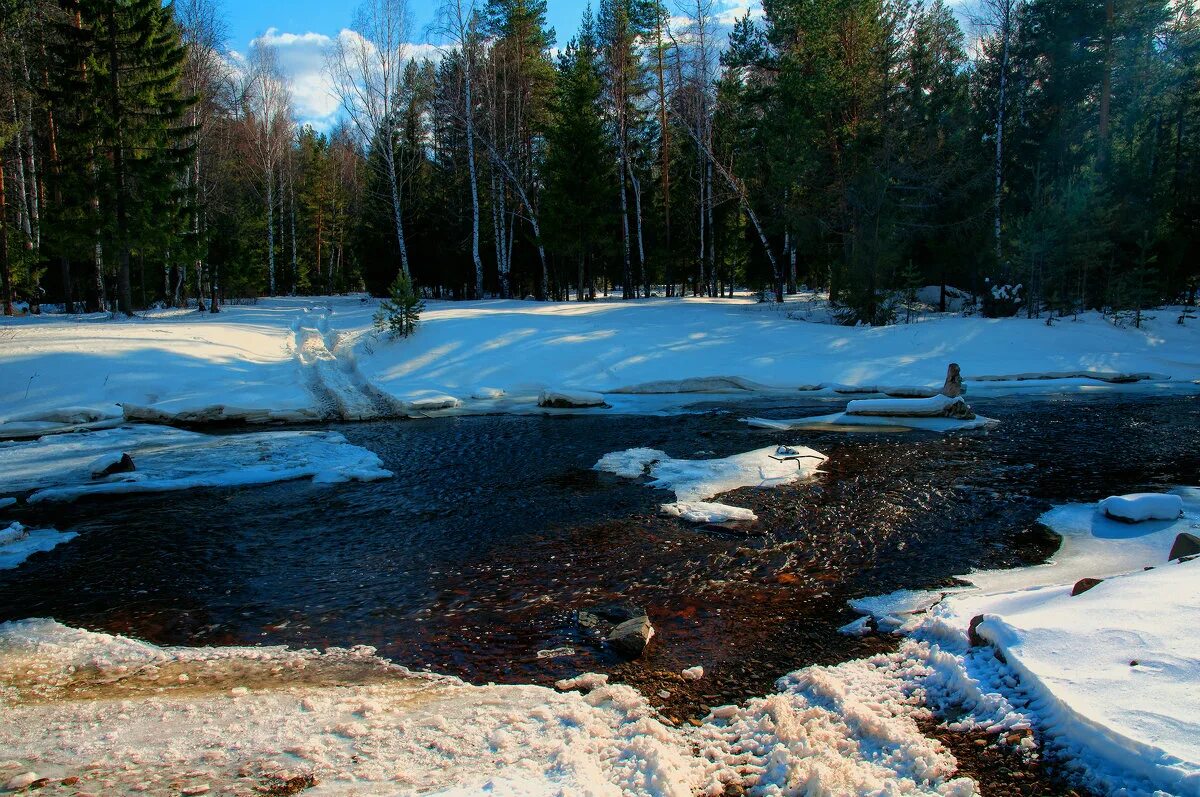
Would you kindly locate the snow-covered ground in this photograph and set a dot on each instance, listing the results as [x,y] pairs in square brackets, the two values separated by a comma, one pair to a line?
[290,359]
[65,467]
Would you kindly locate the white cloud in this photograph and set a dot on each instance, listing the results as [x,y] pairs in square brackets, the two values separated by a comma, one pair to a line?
[302,59]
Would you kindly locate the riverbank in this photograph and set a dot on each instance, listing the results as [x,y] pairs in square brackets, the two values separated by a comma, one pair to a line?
[296,360]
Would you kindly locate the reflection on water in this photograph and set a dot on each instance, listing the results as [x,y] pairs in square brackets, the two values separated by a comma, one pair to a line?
[495,530]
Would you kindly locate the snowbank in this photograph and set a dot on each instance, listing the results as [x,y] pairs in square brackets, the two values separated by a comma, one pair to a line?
[18,543]
[931,407]
[61,467]
[1107,675]
[1138,507]
[694,480]
[291,359]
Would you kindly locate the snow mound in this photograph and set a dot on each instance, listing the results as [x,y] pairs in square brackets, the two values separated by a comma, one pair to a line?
[60,468]
[434,403]
[841,421]
[707,512]
[18,543]
[932,407]
[1138,507]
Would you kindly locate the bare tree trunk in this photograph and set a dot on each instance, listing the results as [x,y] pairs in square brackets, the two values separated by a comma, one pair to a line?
[470,119]
[389,158]
[1006,35]
[626,274]
[270,175]
[5,270]
[637,205]
[292,214]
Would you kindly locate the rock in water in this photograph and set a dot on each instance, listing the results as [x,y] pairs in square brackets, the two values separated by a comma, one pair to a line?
[1185,545]
[954,382]
[107,466]
[631,637]
[959,410]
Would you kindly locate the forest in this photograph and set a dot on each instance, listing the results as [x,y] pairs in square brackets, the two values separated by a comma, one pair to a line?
[1044,157]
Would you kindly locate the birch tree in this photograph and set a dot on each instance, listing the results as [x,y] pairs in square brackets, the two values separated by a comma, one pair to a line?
[268,108]
[367,65]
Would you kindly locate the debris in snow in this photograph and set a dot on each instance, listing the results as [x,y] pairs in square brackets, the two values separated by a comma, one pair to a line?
[1138,507]
[18,543]
[570,399]
[1084,584]
[112,462]
[631,637]
[1185,545]
[556,653]
[693,673]
[59,468]
[585,682]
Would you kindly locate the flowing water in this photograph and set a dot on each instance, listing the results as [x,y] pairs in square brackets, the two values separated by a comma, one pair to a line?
[474,559]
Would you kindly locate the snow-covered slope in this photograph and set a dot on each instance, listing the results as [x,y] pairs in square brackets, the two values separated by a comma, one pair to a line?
[294,359]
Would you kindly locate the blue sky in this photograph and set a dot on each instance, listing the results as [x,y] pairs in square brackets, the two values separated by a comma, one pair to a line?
[301,30]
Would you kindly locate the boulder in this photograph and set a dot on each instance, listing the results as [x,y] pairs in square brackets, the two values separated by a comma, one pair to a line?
[1185,545]
[1083,585]
[631,637]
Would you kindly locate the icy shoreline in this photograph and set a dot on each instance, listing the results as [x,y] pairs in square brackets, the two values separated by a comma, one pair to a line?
[304,360]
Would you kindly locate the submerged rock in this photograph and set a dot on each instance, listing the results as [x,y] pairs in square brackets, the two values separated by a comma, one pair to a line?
[107,466]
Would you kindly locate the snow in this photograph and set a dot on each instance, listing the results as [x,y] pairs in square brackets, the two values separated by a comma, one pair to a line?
[117,714]
[1095,546]
[1107,676]
[932,407]
[841,421]
[18,543]
[1138,507]
[303,359]
[61,467]
[694,480]
[707,512]
[692,673]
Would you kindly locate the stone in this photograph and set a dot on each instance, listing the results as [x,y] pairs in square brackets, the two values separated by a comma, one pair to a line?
[953,386]
[959,410]
[570,399]
[1185,545]
[122,465]
[973,637]
[631,637]
[1083,585]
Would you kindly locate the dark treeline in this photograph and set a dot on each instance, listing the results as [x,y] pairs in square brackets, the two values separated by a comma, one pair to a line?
[1047,161]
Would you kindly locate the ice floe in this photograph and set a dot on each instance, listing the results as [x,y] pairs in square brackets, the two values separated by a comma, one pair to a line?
[18,543]
[62,467]
[695,480]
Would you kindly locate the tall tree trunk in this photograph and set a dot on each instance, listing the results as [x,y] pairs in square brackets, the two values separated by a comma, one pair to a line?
[389,159]
[1106,84]
[5,269]
[637,209]
[292,216]
[626,273]
[270,175]
[1006,35]
[665,156]
[470,120]
[124,286]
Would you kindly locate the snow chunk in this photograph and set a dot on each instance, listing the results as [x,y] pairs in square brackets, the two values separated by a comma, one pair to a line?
[18,543]
[60,468]
[433,403]
[692,673]
[932,407]
[630,463]
[1137,507]
[707,512]
[570,399]
[587,682]
[840,421]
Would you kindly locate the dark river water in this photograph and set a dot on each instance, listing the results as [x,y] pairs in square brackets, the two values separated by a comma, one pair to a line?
[495,531]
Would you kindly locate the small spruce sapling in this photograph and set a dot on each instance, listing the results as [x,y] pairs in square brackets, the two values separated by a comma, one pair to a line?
[398,314]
